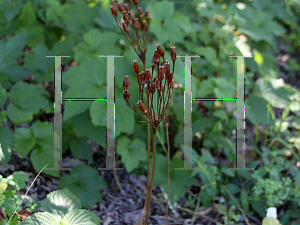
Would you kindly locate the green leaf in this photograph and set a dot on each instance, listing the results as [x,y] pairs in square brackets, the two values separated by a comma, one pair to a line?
[98,113]
[82,11]
[3,96]
[83,127]
[220,114]
[123,111]
[162,30]
[41,218]
[3,186]
[24,141]
[83,84]
[73,108]
[64,48]
[61,202]
[6,145]
[97,43]
[32,204]
[183,22]
[12,48]
[244,200]
[274,91]
[132,152]
[163,10]
[28,97]
[18,115]
[10,8]
[35,35]
[37,61]
[256,110]
[179,179]
[81,217]
[85,183]
[81,148]
[43,133]
[233,189]
[42,156]
[28,17]
[11,204]
[18,180]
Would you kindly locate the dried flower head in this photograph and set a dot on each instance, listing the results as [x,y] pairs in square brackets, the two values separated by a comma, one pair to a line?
[126,82]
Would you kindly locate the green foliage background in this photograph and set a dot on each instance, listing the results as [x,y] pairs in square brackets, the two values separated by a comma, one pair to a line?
[32,29]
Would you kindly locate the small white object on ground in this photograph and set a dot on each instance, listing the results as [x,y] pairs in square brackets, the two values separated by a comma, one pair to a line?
[272,212]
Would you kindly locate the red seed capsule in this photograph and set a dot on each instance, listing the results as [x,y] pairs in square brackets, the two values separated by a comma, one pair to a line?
[126,82]
[126,6]
[161,73]
[126,95]
[157,58]
[142,106]
[136,23]
[125,27]
[153,62]
[172,85]
[160,50]
[136,66]
[147,74]
[162,87]
[147,15]
[140,11]
[145,25]
[153,87]
[113,11]
[170,94]
[135,2]
[170,77]
[167,67]
[143,77]
[126,17]
[157,84]
[120,7]
[173,53]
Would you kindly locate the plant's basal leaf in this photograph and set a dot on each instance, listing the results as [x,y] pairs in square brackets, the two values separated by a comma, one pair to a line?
[60,202]
[85,183]
[81,217]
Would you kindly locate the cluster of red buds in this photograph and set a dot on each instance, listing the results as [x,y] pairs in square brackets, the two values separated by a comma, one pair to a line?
[138,26]
[157,90]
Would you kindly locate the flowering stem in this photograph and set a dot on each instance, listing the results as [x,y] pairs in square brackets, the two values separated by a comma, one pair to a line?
[154,130]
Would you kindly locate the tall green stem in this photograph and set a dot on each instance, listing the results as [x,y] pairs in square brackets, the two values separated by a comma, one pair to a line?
[154,130]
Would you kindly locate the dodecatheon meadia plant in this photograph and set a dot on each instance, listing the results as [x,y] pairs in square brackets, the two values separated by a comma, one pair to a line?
[155,86]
